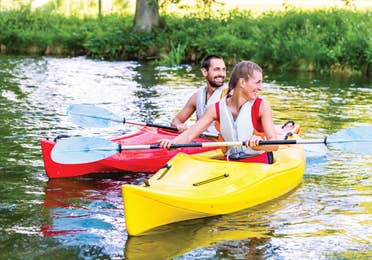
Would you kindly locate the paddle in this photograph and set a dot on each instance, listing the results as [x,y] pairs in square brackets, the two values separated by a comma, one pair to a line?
[88,115]
[89,149]
[91,116]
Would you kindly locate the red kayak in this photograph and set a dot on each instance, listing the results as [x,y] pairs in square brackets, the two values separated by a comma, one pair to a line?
[148,161]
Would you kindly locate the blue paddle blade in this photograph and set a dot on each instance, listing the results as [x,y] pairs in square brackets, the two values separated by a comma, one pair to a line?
[78,150]
[88,115]
[357,139]
[314,151]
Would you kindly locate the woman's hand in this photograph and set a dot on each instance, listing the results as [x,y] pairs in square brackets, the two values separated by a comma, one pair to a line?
[166,143]
[253,142]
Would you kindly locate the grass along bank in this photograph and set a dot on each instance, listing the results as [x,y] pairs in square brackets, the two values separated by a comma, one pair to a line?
[326,40]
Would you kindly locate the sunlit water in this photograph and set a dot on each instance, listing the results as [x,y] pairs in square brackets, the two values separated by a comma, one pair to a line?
[328,216]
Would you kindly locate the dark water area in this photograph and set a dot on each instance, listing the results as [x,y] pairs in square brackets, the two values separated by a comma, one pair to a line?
[327,217]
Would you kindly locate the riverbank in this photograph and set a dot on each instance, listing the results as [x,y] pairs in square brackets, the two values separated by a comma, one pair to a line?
[328,40]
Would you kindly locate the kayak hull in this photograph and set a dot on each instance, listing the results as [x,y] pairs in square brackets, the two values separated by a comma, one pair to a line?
[194,187]
[148,161]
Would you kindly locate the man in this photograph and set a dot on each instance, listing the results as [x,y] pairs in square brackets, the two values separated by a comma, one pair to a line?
[214,71]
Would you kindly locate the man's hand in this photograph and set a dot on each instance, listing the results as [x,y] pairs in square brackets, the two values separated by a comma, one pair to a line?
[182,127]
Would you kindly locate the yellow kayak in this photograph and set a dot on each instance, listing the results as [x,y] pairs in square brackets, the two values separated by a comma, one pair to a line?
[194,186]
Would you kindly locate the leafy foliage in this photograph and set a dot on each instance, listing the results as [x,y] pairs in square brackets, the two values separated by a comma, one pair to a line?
[317,40]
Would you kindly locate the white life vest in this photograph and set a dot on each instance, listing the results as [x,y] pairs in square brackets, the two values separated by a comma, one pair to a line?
[202,105]
[237,131]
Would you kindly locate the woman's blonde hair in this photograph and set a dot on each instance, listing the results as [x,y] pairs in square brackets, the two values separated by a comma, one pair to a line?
[243,69]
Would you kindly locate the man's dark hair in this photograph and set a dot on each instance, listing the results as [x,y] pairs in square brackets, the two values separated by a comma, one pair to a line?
[206,61]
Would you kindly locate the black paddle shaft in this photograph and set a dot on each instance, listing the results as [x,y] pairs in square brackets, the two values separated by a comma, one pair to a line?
[152,125]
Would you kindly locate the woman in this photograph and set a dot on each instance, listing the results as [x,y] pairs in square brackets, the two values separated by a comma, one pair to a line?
[240,116]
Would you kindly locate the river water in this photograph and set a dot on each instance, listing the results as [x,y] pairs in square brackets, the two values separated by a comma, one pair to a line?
[327,217]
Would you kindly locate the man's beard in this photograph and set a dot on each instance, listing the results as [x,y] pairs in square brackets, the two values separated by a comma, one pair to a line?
[214,84]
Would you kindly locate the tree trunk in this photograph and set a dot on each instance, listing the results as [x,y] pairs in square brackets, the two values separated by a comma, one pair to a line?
[147,15]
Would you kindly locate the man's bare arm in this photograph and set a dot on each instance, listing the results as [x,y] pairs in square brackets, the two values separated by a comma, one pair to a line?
[180,119]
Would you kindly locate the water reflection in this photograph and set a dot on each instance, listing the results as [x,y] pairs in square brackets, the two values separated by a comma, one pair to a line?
[201,239]
[147,81]
[87,211]
[241,235]
[156,97]
[327,105]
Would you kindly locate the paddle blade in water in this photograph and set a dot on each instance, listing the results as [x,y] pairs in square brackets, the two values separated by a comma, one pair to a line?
[78,150]
[357,139]
[87,115]
[314,151]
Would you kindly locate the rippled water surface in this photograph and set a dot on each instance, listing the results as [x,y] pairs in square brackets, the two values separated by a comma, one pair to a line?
[327,217]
